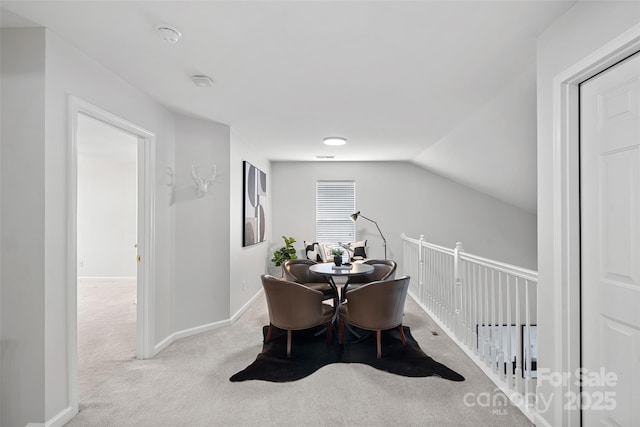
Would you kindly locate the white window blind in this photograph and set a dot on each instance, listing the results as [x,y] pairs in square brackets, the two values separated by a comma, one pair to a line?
[335,202]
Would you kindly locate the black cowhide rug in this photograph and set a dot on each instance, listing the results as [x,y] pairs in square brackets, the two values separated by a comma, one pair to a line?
[310,352]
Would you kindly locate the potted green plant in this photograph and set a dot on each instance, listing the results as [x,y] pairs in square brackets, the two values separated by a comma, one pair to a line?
[337,256]
[286,252]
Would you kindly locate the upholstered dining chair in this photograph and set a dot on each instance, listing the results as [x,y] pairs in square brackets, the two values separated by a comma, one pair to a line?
[384,269]
[297,270]
[293,307]
[375,306]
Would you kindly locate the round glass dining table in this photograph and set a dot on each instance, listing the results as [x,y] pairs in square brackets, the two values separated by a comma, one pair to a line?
[329,270]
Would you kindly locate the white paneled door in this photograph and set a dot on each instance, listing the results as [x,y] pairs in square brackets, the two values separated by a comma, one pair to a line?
[610,248]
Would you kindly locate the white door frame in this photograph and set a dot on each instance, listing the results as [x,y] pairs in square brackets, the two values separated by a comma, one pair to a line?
[566,202]
[146,234]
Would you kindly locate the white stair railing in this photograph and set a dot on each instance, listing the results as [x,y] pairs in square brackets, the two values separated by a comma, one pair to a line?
[487,307]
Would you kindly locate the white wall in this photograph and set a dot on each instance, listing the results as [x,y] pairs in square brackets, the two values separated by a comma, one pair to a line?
[191,287]
[201,294]
[403,197]
[494,149]
[581,31]
[69,71]
[22,282]
[107,214]
[247,263]
[39,72]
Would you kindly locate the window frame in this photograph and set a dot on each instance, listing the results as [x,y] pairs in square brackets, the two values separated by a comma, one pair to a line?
[336,237]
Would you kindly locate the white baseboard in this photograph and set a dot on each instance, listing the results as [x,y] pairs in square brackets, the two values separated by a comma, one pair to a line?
[203,328]
[58,420]
[245,307]
[187,333]
[106,279]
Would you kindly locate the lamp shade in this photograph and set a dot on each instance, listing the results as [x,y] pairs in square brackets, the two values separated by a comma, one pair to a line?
[354,216]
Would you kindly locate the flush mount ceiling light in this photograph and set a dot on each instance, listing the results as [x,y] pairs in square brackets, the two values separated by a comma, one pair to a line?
[168,33]
[334,140]
[202,81]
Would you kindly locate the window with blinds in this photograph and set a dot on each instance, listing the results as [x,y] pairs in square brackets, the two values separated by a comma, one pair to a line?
[335,202]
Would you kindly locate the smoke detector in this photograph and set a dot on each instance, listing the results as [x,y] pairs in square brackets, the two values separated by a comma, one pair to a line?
[168,33]
[202,81]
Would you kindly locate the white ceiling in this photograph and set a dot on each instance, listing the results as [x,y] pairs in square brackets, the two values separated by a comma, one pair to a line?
[393,77]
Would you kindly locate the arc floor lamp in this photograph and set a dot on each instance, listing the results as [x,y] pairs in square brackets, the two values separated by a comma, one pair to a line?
[354,217]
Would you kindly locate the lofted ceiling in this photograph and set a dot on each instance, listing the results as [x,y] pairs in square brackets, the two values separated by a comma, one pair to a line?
[395,78]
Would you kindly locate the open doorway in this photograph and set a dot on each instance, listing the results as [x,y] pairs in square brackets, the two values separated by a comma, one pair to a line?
[106,250]
[81,257]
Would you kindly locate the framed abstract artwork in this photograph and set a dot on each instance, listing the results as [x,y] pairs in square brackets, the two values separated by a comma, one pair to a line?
[255,197]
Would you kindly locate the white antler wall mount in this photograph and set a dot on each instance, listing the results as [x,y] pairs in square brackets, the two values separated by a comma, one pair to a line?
[202,185]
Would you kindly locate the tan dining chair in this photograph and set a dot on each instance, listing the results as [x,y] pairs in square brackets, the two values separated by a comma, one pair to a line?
[294,307]
[383,269]
[375,306]
[297,270]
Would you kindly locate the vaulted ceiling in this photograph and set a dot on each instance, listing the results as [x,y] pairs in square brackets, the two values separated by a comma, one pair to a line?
[449,85]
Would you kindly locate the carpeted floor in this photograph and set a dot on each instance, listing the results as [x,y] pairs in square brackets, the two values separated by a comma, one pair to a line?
[188,384]
[106,331]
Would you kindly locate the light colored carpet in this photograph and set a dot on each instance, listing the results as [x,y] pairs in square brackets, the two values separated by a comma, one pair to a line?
[188,384]
[106,331]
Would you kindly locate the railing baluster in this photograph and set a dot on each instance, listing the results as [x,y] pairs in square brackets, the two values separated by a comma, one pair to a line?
[527,343]
[519,382]
[496,328]
[437,295]
[430,281]
[439,281]
[487,318]
[451,292]
[481,315]
[431,286]
[483,312]
[469,304]
[455,302]
[440,295]
[434,283]
[456,296]
[443,289]
[501,336]
[443,293]
[509,339]
[476,310]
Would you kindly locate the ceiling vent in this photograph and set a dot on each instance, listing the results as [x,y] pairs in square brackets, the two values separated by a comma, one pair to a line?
[168,33]
[202,81]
